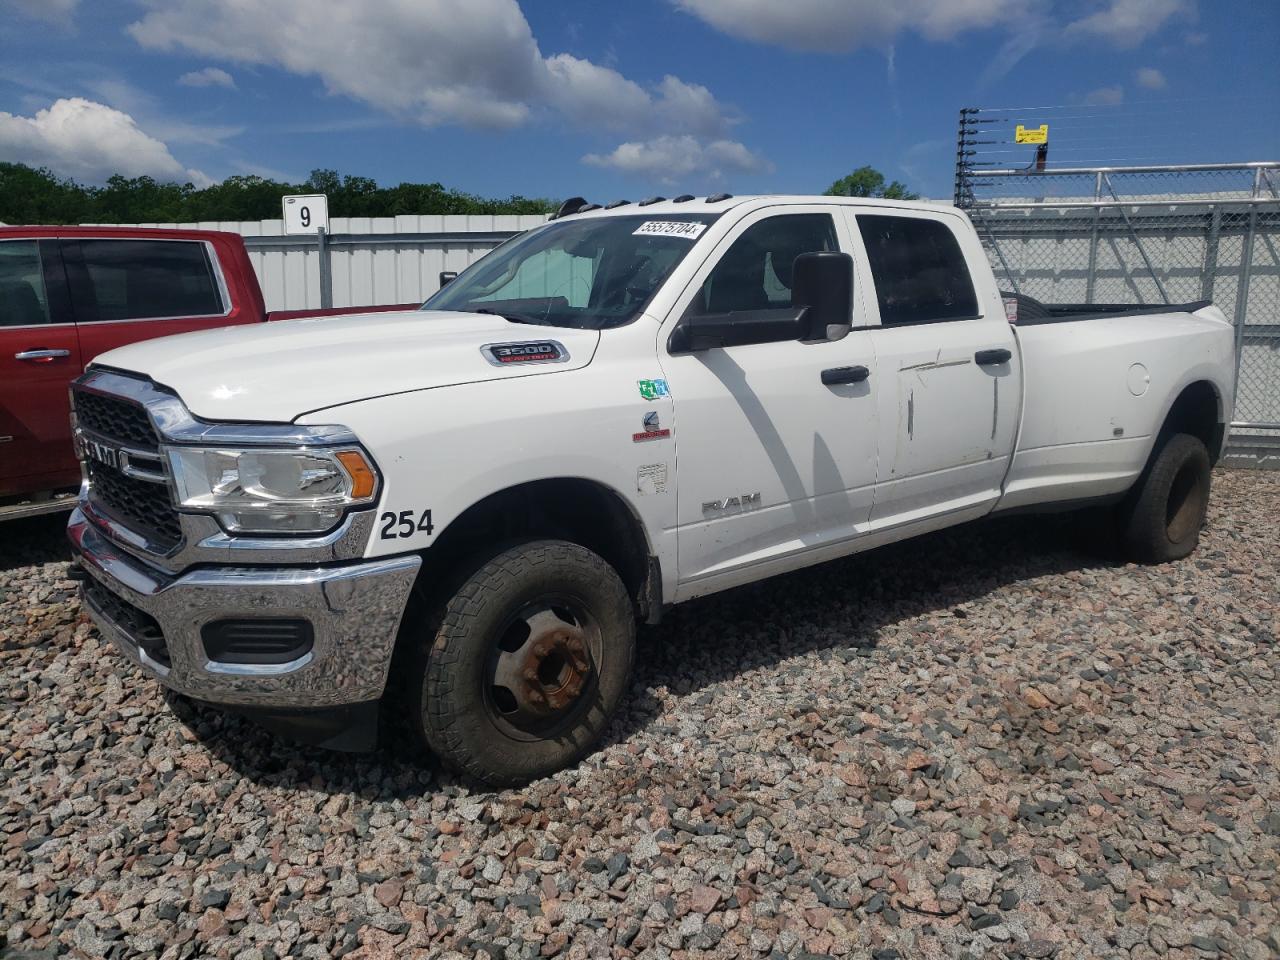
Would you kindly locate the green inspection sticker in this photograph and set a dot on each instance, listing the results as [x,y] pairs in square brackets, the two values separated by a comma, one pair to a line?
[653,389]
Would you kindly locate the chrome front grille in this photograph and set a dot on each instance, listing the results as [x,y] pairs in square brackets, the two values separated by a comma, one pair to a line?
[141,505]
[128,482]
[119,420]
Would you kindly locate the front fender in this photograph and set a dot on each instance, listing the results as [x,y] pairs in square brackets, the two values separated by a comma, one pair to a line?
[445,450]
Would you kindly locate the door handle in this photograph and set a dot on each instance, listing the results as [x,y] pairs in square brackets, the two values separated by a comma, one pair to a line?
[41,356]
[845,375]
[985,358]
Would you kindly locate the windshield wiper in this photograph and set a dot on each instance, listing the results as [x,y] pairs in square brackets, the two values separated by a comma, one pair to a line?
[517,317]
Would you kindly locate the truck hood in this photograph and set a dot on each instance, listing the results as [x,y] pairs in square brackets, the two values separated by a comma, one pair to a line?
[275,372]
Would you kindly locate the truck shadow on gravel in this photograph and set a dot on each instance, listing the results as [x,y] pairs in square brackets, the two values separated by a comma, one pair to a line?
[34,540]
[838,607]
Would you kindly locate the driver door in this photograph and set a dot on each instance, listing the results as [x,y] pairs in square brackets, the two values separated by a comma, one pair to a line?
[772,462]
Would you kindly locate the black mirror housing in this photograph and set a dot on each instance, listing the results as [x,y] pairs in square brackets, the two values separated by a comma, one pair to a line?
[704,331]
[822,282]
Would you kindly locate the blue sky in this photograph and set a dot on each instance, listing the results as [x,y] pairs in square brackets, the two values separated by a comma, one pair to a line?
[560,97]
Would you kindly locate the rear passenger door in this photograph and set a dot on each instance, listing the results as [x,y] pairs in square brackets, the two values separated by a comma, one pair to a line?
[126,289]
[951,386]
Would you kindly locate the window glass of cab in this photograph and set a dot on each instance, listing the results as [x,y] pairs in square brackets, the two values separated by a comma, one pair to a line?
[148,279]
[590,272]
[549,274]
[23,301]
[919,270]
[755,272]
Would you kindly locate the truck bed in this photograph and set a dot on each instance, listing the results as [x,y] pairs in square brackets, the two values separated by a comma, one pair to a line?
[1031,311]
[1095,395]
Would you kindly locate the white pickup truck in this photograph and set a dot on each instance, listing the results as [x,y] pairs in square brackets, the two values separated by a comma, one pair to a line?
[456,516]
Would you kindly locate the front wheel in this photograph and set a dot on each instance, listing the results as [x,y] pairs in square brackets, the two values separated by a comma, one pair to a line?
[1161,519]
[528,662]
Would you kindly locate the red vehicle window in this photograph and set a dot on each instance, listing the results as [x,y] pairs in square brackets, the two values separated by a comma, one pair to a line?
[145,279]
[23,300]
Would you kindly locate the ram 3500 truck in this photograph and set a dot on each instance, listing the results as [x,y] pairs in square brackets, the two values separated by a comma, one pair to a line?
[68,294]
[460,514]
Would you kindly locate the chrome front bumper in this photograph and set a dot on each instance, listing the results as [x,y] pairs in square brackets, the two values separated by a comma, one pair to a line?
[354,610]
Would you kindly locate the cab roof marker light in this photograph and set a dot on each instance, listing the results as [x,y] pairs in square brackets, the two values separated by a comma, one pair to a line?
[683,198]
[615,204]
[651,201]
[717,197]
[569,206]
[588,207]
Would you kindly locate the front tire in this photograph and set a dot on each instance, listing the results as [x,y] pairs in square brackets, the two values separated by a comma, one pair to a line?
[1161,519]
[526,665]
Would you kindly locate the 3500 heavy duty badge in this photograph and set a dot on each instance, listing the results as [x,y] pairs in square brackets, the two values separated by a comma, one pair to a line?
[529,351]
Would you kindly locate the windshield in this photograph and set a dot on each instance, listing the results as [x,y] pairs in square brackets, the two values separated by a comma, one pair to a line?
[593,273]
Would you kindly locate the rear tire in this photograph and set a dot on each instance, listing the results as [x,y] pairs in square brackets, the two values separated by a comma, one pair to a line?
[1161,519]
[520,672]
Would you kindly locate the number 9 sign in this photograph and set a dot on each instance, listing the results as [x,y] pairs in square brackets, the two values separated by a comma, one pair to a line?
[306,213]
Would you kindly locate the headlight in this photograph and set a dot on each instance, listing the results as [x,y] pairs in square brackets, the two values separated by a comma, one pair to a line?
[265,490]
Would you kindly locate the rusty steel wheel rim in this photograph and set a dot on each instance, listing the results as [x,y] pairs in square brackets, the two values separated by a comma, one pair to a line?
[542,671]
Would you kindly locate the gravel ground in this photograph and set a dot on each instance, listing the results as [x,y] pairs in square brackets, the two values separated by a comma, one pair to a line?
[986,742]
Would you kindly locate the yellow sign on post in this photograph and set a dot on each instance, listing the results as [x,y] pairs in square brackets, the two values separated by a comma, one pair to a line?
[1032,135]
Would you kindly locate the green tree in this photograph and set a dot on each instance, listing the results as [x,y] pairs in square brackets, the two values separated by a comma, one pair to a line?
[869,182]
[140,200]
[40,196]
[238,198]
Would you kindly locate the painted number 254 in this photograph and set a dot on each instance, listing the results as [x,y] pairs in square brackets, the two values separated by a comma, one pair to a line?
[405,524]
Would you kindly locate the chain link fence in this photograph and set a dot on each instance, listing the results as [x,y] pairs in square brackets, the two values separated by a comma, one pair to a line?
[1151,235]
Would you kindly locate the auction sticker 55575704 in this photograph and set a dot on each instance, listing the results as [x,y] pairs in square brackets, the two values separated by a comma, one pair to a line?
[670,228]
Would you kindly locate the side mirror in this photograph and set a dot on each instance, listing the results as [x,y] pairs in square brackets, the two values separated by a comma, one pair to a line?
[821,307]
[447,275]
[704,331]
[823,283]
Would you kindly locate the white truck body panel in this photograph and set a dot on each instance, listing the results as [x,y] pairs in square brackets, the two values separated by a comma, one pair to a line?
[1098,393]
[276,371]
[765,469]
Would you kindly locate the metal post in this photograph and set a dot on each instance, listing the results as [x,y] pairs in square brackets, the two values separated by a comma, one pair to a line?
[326,275]
[1137,242]
[995,245]
[1091,277]
[1266,176]
[1246,274]
[1211,254]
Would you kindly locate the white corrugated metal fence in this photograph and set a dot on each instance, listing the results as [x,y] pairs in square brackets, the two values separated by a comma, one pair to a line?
[372,260]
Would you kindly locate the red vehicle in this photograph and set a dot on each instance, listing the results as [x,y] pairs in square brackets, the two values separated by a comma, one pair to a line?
[68,294]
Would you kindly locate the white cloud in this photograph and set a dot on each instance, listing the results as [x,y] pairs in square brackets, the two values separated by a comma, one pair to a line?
[89,141]
[472,62]
[596,96]
[432,60]
[1105,96]
[671,159]
[1151,78]
[834,26]
[50,11]
[152,115]
[1126,23]
[208,77]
